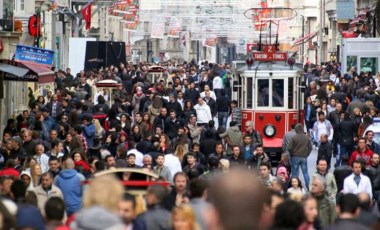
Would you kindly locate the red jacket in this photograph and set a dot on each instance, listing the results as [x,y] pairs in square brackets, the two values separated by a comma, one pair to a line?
[365,155]
[10,172]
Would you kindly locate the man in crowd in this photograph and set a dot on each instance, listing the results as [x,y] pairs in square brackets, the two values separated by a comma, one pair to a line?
[70,183]
[348,212]
[357,182]
[156,217]
[46,190]
[331,187]
[161,170]
[266,177]
[300,148]
[127,211]
[362,152]
[326,207]
[179,194]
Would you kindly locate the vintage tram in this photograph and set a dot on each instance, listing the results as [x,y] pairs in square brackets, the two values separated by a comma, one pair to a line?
[269,86]
[269,94]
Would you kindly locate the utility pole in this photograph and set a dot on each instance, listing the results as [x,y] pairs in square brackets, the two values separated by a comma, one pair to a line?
[303,44]
[320,33]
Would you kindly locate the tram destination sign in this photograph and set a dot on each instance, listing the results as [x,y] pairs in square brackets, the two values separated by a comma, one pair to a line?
[269,54]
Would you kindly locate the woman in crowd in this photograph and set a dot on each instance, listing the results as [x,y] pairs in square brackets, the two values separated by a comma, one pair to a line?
[125,122]
[36,172]
[310,207]
[164,144]
[295,187]
[28,163]
[183,218]
[188,110]
[99,130]
[146,120]
[136,135]
[80,162]
[71,143]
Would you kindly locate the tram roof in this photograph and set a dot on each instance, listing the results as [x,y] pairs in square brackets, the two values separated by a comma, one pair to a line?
[274,66]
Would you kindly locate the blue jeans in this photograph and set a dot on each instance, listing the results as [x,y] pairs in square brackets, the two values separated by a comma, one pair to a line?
[296,163]
[222,118]
[342,150]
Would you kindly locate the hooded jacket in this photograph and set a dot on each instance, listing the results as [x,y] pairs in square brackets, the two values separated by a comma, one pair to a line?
[30,186]
[69,181]
[299,144]
[96,218]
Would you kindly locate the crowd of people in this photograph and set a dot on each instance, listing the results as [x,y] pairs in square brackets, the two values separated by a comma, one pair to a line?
[188,132]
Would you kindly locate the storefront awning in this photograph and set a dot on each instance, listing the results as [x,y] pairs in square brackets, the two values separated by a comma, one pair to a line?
[38,69]
[304,39]
[17,71]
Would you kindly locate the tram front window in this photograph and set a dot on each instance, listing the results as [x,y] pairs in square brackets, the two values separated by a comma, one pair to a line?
[278,93]
[263,92]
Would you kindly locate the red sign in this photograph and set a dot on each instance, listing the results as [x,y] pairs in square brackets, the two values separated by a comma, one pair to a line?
[251,47]
[269,54]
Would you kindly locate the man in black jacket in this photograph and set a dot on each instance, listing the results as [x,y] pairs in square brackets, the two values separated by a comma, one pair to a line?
[172,125]
[346,135]
[341,172]
[160,120]
[173,104]
[222,107]
[348,212]
[192,94]
[325,150]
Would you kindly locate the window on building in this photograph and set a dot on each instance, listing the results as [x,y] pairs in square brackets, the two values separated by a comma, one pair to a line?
[22,5]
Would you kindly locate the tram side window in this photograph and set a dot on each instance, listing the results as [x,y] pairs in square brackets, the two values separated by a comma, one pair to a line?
[278,93]
[263,92]
[249,93]
[290,93]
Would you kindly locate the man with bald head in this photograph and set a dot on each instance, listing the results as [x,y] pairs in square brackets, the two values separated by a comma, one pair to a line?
[366,217]
[70,183]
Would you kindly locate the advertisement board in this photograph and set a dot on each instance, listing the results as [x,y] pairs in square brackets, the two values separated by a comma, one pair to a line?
[28,54]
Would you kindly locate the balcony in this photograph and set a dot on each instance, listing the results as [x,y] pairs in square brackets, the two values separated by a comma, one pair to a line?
[331,8]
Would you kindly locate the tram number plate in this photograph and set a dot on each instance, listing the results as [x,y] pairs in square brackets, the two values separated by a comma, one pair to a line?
[264,56]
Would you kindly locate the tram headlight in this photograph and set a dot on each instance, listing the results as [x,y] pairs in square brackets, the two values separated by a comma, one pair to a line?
[269,130]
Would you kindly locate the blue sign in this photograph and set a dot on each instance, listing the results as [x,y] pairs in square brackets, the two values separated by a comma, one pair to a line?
[34,55]
[345,9]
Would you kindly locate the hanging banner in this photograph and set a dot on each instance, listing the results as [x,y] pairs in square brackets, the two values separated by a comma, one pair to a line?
[158,28]
[174,27]
[210,41]
[128,10]
[183,38]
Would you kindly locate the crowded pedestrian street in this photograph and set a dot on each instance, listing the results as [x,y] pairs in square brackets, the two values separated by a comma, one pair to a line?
[189,115]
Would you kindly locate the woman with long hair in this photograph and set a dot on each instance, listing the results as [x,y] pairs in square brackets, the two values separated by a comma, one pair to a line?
[36,172]
[188,110]
[70,143]
[180,152]
[146,120]
[125,122]
[310,207]
[155,108]
[28,163]
[136,135]
[80,162]
[99,130]
[164,143]
[295,187]
[183,218]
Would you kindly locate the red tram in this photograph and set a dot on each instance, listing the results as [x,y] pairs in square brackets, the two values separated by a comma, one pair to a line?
[269,90]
